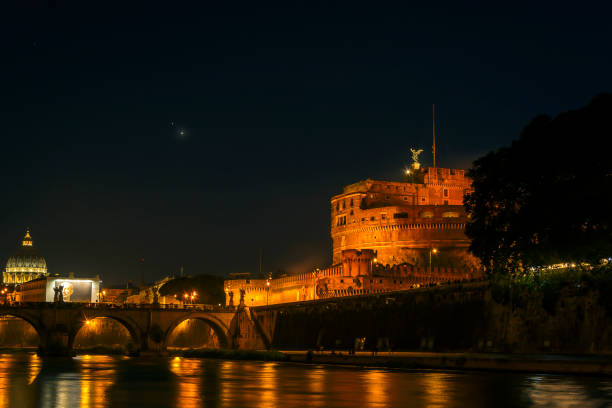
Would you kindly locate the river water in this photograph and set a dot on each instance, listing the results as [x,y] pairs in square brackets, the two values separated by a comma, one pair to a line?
[111,381]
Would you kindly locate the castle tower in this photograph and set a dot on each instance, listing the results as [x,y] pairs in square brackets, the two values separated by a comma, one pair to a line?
[403,221]
[25,264]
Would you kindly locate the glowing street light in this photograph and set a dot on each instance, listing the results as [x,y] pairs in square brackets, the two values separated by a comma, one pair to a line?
[431,251]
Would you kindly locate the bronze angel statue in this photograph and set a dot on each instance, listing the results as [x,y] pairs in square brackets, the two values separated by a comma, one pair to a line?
[415,154]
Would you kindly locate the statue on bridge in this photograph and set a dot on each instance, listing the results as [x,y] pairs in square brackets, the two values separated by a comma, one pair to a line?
[58,297]
[242,293]
[155,296]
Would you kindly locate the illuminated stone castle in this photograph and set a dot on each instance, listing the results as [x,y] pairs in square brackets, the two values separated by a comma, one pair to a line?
[386,236]
[404,221]
[25,264]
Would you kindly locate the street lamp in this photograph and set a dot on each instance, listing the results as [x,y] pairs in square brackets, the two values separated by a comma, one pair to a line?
[431,251]
[267,292]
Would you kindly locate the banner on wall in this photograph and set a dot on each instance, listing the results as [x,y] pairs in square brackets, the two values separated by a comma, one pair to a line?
[75,291]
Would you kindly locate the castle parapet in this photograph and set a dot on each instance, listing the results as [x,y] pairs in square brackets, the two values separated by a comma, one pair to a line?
[365,277]
[357,263]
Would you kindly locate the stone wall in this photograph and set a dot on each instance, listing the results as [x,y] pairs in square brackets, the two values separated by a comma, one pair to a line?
[452,318]
[359,273]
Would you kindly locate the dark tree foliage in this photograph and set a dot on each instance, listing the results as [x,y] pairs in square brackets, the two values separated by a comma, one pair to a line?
[209,288]
[547,198]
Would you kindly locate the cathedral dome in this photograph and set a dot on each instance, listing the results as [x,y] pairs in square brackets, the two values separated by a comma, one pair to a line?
[25,264]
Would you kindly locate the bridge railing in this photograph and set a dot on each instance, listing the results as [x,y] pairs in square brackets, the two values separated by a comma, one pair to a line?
[110,306]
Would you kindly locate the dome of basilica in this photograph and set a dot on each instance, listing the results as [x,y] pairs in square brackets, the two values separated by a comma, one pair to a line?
[25,264]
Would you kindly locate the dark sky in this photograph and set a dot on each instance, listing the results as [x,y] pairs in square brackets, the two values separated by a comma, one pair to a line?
[280,107]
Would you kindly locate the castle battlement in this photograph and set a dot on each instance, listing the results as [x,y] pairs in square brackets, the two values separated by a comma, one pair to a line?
[360,273]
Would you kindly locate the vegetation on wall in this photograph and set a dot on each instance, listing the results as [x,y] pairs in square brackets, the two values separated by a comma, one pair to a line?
[546,199]
[549,284]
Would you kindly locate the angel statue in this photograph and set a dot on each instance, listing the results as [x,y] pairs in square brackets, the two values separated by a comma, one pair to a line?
[415,155]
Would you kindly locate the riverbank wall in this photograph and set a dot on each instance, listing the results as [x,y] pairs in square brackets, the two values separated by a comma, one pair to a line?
[550,364]
[460,318]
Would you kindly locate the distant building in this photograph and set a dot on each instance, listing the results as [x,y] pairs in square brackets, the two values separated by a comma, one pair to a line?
[25,264]
[48,289]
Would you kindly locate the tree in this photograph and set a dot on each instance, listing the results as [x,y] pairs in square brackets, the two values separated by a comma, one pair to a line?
[546,198]
[208,287]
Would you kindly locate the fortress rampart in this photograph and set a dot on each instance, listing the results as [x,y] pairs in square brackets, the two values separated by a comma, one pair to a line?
[359,273]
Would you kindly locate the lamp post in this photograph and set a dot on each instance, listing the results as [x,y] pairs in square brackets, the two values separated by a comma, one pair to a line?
[267,292]
[431,251]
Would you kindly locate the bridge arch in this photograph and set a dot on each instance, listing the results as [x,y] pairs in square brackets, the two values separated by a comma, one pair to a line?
[32,321]
[219,327]
[131,327]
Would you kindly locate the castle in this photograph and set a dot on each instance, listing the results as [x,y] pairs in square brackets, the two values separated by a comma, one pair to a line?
[403,221]
[386,236]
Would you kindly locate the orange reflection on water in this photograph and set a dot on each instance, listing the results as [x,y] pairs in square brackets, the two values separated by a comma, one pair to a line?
[437,389]
[35,366]
[95,381]
[316,383]
[189,381]
[6,369]
[377,388]
[559,392]
[268,383]
[227,368]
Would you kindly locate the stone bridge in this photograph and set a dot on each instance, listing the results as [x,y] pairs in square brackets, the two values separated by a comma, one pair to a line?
[57,324]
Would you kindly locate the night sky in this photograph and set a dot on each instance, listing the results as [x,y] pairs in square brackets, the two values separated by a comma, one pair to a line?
[196,135]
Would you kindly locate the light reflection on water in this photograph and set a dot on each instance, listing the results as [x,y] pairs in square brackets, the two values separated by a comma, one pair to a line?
[110,381]
[190,372]
[563,393]
[97,376]
[436,387]
[376,382]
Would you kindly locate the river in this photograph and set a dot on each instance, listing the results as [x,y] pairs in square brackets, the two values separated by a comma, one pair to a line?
[113,381]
